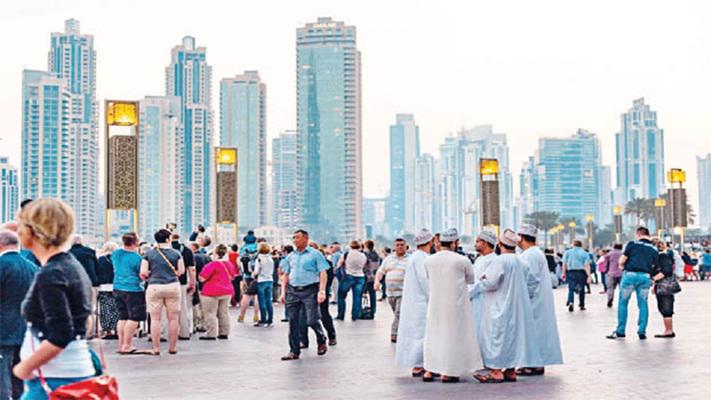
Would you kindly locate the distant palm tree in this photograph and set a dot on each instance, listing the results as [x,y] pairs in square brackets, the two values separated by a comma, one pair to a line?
[640,208]
[544,220]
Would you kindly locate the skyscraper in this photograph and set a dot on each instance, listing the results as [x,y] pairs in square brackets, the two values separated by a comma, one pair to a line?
[189,77]
[606,206]
[48,146]
[284,180]
[425,192]
[640,154]
[703,173]
[460,181]
[73,58]
[243,124]
[525,199]
[404,150]
[9,191]
[566,177]
[329,129]
[160,163]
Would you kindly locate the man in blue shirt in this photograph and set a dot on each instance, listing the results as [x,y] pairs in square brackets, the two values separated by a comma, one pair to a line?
[304,287]
[576,272]
[637,262]
[705,263]
[16,276]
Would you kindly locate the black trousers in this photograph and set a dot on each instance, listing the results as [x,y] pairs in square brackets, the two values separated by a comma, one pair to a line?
[326,320]
[298,299]
[665,305]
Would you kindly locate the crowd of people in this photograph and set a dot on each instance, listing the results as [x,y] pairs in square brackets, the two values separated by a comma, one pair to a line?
[491,315]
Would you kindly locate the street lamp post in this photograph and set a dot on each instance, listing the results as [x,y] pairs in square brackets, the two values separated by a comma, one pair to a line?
[590,218]
[489,180]
[617,211]
[677,198]
[572,226]
[659,205]
[226,189]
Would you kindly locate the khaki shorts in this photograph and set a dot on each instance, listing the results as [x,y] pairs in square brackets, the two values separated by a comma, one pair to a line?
[167,295]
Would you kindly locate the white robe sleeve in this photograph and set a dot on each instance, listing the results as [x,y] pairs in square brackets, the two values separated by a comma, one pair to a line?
[533,283]
[469,274]
[491,280]
[422,277]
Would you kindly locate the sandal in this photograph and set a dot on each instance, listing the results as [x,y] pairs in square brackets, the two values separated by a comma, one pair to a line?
[450,379]
[428,376]
[125,353]
[152,352]
[530,371]
[488,378]
[172,351]
[510,375]
[418,372]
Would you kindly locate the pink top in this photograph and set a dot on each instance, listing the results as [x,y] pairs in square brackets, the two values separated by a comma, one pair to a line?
[218,277]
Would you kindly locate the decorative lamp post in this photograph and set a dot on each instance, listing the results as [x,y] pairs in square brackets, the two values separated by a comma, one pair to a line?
[489,180]
[226,189]
[659,205]
[590,218]
[617,211]
[572,226]
[677,197]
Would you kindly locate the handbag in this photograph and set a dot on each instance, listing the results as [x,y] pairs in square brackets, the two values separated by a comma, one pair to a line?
[667,286]
[100,387]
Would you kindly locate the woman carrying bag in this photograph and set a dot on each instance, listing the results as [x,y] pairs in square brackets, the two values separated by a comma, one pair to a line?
[55,354]
[217,291]
[666,286]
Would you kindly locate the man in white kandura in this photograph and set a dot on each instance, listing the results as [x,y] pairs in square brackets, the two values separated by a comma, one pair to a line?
[545,329]
[413,309]
[485,245]
[506,320]
[451,348]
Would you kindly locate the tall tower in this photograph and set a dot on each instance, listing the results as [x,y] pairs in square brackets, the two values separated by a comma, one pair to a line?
[9,191]
[48,145]
[328,86]
[703,174]
[73,58]
[640,154]
[284,180]
[404,151]
[243,124]
[189,77]
[160,163]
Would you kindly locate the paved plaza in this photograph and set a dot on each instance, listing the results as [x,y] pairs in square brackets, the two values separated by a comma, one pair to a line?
[361,367]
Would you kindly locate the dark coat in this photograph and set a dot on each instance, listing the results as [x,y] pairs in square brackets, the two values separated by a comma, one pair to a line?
[16,276]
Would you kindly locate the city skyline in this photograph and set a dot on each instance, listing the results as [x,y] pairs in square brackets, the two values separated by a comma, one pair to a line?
[652,85]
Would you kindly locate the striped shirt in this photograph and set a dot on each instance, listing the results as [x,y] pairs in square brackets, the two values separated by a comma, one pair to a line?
[394,269]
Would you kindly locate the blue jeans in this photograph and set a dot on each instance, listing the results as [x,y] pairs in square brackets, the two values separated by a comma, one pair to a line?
[357,283]
[35,391]
[265,292]
[638,282]
[576,282]
[10,386]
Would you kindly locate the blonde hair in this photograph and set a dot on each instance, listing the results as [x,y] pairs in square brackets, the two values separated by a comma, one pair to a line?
[264,248]
[107,249]
[50,220]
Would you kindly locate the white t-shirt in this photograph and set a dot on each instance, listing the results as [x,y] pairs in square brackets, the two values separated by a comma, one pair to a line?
[73,362]
[355,263]
[264,268]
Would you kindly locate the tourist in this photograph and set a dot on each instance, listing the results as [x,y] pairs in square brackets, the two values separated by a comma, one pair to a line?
[355,262]
[326,319]
[506,315]
[216,278]
[108,311]
[602,267]
[409,351]
[187,281]
[705,263]
[248,258]
[304,287]
[201,259]
[161,268]
[370,270]
[450,345]
[576,272]
[665,287]
[264,274]
[87,258]
[638,260]
[128,291]
[393,270]
[286,250]
[545,329]
[57,305]
[334,257]
[233,257]
[614,272]
[16,276]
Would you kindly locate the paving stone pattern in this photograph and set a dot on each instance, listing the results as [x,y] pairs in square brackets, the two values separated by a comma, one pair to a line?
[247,366]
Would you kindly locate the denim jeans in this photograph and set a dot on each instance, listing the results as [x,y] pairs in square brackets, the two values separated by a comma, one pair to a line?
[576,282]
[266,308]
[10,386]
[638,282]
[370,289]
[357,283]
[35,391]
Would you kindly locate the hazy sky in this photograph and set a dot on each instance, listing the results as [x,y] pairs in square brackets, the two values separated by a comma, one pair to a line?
[530,68]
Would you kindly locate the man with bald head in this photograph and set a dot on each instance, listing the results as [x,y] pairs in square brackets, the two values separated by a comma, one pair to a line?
[16,275]
[12,226]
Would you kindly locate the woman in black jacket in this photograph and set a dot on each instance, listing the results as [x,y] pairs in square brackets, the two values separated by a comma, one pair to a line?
[662,275]
[57,305]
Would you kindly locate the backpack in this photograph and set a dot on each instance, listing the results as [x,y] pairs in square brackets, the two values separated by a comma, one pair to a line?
[248,261]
